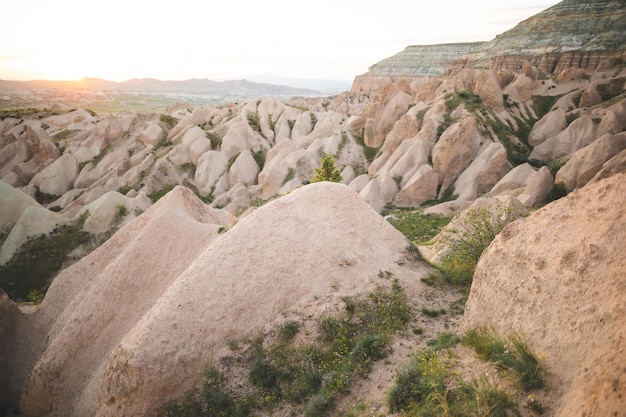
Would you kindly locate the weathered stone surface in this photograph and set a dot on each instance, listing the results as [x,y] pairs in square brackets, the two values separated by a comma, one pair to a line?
[611,167]
[244,170]
[379,191]
[105,212]
[537,189]
[515,178]
[387,105]
[10,315]
[545,276]
[580,133]
[34,221]
[455,150]
[58,177]
[151,134]
[421,187]
[13,202]
[550,125]
[211,166]
[422,60]
[483,173]
[586,163]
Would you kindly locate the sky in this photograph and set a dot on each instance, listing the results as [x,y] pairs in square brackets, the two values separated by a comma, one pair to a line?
[176,40]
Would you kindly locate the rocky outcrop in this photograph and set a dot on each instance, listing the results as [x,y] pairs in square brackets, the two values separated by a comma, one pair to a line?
[127,339]
[422,60]
[571,34]
[564,291]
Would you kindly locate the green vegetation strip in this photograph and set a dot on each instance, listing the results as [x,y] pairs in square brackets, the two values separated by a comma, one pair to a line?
[311,375]
[431,386]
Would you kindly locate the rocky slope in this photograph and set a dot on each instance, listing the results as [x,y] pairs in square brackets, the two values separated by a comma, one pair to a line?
[558,277]
[184,299]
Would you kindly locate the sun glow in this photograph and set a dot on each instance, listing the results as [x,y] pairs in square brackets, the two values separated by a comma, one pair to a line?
[119,40]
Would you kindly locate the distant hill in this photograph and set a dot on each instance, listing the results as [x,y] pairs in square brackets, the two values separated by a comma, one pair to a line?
[246,88]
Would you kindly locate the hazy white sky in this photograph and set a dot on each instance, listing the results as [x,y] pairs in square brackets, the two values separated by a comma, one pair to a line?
[229,39]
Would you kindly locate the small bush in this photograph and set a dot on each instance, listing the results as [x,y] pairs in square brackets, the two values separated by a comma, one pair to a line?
[327,171]
[474,232]
[558,190]
[419,228]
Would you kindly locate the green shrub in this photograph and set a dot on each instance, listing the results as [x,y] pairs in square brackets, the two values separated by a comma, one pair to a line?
[327,171]
[512,353]
[211,399]
[168,120]
[475,230]
[558,190]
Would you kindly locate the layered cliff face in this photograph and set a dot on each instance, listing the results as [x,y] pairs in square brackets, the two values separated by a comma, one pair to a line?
[423,59]
[573,33]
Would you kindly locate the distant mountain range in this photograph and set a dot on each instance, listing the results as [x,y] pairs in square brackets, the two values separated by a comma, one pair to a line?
[195,86]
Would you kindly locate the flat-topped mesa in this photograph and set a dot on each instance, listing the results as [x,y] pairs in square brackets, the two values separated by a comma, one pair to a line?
[571,34]
[414,61]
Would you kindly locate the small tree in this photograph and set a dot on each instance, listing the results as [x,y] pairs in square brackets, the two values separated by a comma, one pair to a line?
[327,171]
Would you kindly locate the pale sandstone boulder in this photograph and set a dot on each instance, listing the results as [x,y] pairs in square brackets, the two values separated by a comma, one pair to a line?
[75,120]
[40,144]
[34,221]
[58,177]
[162,174]
[244,170]
[379,191]
[421,187]
[13,202]
[240,136]
[198,148]
[87,176]
[105,212]
[448,208]
[320,225]
[387,105]
[611,167]
[12,155]
[151,134]
[558,277]
[550,125]
[580,133]
[360,182]
[586,163]
[455,150]
[211,166]
[136,172]
[107,292]
[181,154]
[406,127]
[348,174]
[521,89]
[483,173]
[537,189]
[516,178]
[302,125]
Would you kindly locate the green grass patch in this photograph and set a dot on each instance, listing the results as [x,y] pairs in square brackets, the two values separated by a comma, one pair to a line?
[157,194]
[39,260]
[430,385]
[418,227]
[507,353]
